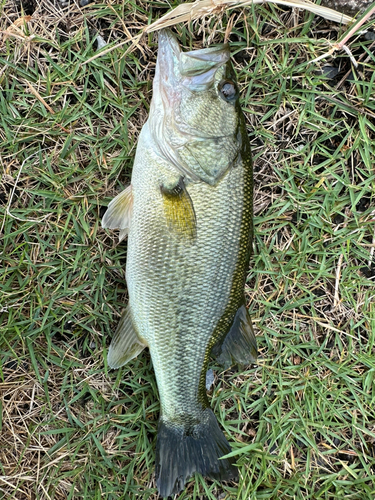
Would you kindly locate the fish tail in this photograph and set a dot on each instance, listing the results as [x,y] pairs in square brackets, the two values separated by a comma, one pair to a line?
[183,449]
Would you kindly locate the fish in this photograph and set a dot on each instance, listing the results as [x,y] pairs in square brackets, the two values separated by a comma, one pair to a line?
[188,214]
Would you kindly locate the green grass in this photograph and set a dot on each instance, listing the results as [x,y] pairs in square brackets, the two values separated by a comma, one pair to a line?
[302,422]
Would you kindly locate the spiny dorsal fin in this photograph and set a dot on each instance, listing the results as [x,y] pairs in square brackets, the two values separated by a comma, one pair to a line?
[125,344]
[179,210]
[119,212]
[239,345]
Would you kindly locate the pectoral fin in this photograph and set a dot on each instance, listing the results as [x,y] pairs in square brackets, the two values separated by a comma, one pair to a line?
[125,344]
[179,210]
[240,345]
[119,212]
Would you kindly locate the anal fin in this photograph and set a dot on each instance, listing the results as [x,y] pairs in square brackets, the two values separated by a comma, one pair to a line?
[239,345]
[125,344]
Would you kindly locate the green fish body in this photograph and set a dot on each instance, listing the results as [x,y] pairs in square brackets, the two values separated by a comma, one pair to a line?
[188,215]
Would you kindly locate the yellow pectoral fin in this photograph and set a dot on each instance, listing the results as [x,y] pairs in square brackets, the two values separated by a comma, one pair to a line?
[119,213]
[179,211]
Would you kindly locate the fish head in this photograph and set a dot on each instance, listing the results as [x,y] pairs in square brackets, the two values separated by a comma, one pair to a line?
[195,115]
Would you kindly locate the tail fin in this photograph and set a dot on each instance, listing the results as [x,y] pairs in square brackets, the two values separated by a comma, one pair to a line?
[182,450]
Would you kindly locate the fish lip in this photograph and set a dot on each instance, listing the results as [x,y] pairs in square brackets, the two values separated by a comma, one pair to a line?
[210,56]
[167,42]
[195,67]
[167,60]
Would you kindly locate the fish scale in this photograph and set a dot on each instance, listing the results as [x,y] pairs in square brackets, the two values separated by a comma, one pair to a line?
[190,212]
[195,267]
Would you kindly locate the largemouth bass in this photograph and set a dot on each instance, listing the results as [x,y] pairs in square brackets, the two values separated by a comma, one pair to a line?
[188,216]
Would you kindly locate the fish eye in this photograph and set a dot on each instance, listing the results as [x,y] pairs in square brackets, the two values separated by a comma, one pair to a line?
[228,90]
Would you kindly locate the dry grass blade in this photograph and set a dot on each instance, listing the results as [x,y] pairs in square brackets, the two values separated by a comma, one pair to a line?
[340,45]
[187,12]
[190,11]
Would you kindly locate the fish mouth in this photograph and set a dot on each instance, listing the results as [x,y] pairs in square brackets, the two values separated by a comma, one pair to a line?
[196,62]
[195,69]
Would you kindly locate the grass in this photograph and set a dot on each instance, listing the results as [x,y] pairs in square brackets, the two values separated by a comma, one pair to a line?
[302,422]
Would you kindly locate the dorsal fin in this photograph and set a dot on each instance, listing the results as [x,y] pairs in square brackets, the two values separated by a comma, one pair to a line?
[119,212]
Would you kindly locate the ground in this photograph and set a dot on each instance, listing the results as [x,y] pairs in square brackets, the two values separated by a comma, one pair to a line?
[302,422]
